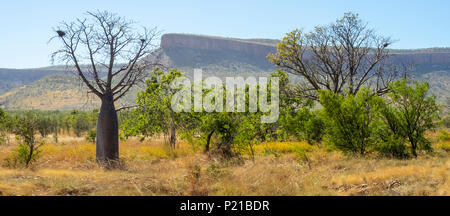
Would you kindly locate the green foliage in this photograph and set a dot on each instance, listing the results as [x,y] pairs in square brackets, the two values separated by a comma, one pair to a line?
[304,124]
[3,126]
[46,125]
[154,114]
[446,121]
[55,122]
[352,120]
[24,155]
[2,116]
[444,136]
[80,122]
[392,146]
[297,117]
[28,150]
[225,126]
[91,136]
[410,112]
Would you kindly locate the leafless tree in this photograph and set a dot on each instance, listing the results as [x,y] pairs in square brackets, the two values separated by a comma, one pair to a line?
[109,55]
[342,57]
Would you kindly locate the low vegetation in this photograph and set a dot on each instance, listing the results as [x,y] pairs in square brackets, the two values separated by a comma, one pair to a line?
[278,168]
[350,128]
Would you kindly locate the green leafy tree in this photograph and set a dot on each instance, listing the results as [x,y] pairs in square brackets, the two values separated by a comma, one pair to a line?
[79,122]
[297,117]
[411,112]
[45,125]
[56,125]
[392,139]
[29,148]
[225,126]
[90,137]
[235,131]
[3,126]
[227,134]
[352,121]
[154,114]
[289,103]
[304,124]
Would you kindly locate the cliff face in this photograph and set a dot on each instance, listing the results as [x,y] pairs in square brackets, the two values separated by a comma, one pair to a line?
[217,55]
[424,58]
[214,43]
[198,50]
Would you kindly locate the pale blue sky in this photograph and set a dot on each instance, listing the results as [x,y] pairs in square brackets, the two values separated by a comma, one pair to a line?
[26,26]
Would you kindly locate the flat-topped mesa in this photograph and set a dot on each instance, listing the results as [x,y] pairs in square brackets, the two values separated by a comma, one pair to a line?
[423,58]
[250,47]
[260,48]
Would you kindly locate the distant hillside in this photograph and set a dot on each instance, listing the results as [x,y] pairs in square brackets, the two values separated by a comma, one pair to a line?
[52,88]
[439,84]
[55,92]
[12,78]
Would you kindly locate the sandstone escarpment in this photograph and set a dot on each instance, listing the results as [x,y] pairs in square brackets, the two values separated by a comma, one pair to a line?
[249,47]
[194,50]
[424,58]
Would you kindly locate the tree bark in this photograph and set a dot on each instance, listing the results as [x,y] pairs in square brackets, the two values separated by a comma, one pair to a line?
[107,142]
[413,149]
[173,136]
[208,140]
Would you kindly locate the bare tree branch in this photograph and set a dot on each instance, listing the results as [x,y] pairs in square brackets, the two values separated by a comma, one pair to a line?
[342,57]
[108,54]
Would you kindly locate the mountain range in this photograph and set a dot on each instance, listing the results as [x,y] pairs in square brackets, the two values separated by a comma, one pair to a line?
[54,88]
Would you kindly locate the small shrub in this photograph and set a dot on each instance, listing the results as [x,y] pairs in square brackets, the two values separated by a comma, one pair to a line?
[351,120]
[3,138]
[28,150]
[122,138]
[314,130]
[304,124]
[444,145]
[3,120]
[24,155]
[444,136]
[395,148]
[91,136]
[446,121]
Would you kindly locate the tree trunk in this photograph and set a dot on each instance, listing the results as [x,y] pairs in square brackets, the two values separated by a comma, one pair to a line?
[208,140]
[224,147]
[56,132]
[107,142]
[173,136]
[413,149]
[413,145]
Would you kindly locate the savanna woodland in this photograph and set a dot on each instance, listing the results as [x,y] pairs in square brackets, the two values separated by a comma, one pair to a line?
[351,122]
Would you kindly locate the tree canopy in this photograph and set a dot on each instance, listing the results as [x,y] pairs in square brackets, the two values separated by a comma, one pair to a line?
[341,57]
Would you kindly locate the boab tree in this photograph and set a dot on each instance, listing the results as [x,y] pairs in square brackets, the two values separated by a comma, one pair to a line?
[110,57]
[341,57]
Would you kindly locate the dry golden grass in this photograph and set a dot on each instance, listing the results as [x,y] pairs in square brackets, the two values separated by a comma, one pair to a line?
[279,168]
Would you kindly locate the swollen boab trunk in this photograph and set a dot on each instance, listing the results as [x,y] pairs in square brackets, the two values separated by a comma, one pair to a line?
[107,131]
[100,40]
